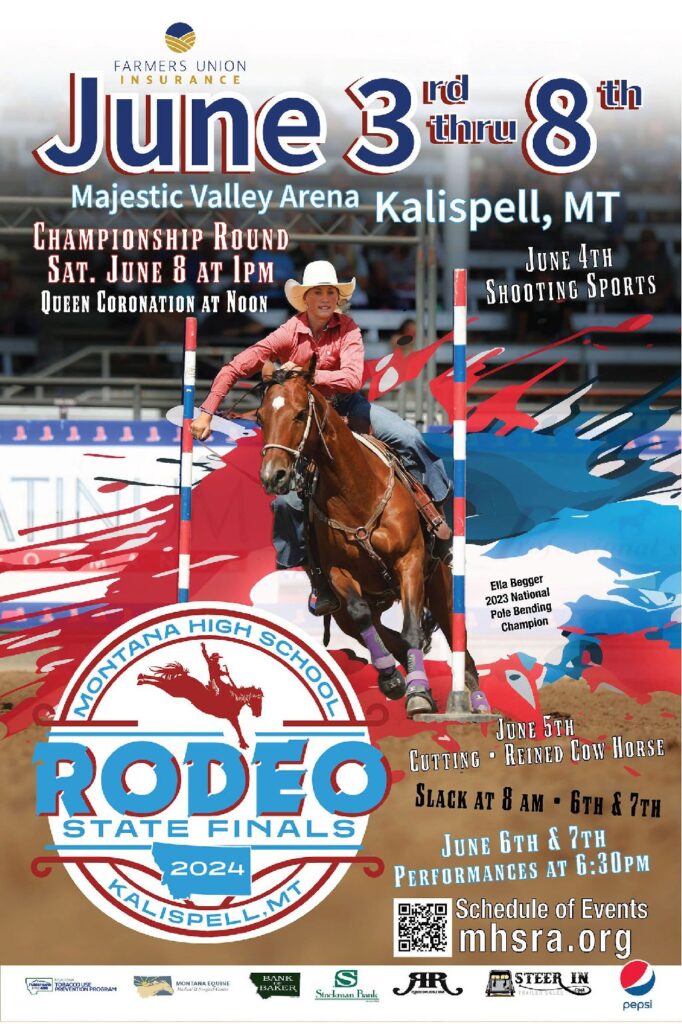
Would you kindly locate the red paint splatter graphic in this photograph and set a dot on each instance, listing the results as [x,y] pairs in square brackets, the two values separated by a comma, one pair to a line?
[231,517]
[115,485]
[624,667]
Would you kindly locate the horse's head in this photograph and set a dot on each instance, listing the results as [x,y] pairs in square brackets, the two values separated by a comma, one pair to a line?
[255,702]
[285,417]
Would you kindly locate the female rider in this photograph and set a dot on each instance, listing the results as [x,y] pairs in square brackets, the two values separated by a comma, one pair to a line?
[321,327]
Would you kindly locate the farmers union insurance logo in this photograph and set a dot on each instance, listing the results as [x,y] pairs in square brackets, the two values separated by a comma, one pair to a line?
[208,775]
[180,37]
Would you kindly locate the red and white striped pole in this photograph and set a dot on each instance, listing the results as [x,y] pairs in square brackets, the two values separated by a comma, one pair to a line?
[461,705]
[187,442]
[459,446]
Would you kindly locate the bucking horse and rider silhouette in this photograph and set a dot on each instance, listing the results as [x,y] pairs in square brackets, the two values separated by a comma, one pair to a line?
[221,698]
[358,494]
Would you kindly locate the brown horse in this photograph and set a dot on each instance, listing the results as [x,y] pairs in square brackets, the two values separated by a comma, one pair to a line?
[368,534]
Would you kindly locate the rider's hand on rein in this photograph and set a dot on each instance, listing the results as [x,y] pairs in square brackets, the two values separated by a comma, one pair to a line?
[200,428]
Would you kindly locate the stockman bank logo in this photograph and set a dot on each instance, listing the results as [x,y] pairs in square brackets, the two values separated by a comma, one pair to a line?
[637,978]
[346,987]
[208,775]
[180,37]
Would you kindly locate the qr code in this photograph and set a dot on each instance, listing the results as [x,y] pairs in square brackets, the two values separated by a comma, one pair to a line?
[422,928]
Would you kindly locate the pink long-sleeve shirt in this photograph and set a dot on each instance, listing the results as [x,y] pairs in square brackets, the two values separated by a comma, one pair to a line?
[340,357]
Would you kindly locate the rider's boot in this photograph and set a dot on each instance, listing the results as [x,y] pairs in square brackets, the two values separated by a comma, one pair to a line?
[322,600]
[438,527]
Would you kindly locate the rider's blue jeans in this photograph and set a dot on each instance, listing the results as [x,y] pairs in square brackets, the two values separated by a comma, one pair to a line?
[404,439]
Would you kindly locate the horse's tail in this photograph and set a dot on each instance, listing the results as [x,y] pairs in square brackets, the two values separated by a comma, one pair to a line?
[327,630]
[429,626]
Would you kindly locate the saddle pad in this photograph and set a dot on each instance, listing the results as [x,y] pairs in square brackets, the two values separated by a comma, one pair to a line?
[378,447]
[389,457]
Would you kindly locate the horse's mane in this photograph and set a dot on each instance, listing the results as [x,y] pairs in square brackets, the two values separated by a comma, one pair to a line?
[173,667]
[279,377]
[244,693]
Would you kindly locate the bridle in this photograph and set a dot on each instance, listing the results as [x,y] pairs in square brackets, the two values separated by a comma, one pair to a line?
[311,417]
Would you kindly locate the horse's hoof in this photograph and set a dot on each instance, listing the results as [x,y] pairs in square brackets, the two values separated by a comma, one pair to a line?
[479,702]
[419,702]
[392,684]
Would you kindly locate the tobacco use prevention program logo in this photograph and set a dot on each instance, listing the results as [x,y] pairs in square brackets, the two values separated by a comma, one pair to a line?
[208,775]
[180,37]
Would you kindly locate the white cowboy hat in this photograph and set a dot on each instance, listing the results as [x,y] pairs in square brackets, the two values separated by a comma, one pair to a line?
[320,272]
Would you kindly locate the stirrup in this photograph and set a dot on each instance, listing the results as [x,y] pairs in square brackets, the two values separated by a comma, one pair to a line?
[322,600]
[435,520]
[322,604]
[442,549]
[437,523]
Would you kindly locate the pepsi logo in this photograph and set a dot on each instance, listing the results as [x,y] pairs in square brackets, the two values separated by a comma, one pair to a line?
[637,978]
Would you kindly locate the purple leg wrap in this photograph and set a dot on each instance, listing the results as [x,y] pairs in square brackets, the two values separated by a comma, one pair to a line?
[382,659]
[416,673]
[479,701]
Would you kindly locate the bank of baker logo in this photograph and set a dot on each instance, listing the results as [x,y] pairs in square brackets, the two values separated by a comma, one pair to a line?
[208,775]
[180,37]
[637,978]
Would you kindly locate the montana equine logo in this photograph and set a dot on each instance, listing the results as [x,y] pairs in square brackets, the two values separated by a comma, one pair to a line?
[153,986]
[189,804]
[180,37]
[427,981]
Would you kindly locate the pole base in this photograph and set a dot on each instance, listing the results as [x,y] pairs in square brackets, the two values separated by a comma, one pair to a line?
[457,709]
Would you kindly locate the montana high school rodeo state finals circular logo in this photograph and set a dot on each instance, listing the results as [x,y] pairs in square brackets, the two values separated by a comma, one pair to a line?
[208,775]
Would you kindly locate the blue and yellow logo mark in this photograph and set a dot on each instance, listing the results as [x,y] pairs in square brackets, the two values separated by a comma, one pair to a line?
[180,37]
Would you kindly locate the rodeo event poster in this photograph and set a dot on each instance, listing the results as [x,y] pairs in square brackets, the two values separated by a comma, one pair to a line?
[339,529]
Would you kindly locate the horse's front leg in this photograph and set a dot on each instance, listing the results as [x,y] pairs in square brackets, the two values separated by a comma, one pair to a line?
[234,722]
[355,617]
[418,697]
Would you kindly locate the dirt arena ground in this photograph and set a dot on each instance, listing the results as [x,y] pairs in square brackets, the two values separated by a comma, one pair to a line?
[48,921]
